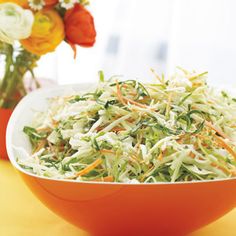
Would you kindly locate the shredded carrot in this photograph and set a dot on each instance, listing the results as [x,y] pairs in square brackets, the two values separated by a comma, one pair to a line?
[41,144]
[224,169]
[220,132]
[134,157]
[180,138]
[55,123]
[99,128]
[117,129]
[164,152]
[133,94]
[104,179]
[180,141]
[61,147]
[226,146]
[160,157]
[107,151]
[130,120]
[136,103]
[202,138]
[124,100]
[125,85]
[192,155]
[89,167]
[119,94]
[197,84]
[233,172]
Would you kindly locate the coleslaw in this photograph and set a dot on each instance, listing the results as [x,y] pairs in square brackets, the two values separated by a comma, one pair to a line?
[175,129]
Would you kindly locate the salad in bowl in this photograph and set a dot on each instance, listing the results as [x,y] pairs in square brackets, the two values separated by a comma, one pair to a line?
[125,157]
[172,130]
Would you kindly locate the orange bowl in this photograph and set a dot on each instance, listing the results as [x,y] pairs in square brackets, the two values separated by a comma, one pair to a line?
[116,208]
[4,118]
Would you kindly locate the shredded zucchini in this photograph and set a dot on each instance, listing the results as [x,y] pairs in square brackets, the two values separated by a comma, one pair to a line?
[172,130]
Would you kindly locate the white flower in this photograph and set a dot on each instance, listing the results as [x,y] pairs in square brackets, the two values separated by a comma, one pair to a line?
[67,4]
[36,4]
[15,22]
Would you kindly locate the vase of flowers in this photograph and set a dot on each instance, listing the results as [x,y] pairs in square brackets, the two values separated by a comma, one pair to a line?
[30,29]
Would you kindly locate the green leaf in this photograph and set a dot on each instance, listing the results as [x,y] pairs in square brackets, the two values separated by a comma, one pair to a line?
[33,135]
[101,76]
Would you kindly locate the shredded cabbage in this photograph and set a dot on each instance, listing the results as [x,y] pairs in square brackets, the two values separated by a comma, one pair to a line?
[172,130]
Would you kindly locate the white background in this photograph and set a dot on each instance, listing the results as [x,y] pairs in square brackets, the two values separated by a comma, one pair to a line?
[135,35]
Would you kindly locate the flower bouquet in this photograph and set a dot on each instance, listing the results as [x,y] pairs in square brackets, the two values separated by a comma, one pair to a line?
[30,29]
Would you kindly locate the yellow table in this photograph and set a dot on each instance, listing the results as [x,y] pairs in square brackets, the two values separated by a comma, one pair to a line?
[22,214]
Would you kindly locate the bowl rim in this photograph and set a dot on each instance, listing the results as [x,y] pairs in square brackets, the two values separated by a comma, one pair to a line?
[13,121]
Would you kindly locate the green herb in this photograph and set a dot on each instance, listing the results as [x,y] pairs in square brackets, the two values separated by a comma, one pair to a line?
[125,141]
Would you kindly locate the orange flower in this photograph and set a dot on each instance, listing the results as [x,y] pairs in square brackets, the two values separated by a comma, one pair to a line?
[50,2]
[22,3]
[79,27]
[47,33]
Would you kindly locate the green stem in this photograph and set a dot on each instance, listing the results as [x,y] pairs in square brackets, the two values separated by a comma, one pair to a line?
[7,50]
[12,82]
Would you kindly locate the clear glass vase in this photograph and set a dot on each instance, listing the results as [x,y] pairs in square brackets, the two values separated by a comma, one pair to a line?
[15,63]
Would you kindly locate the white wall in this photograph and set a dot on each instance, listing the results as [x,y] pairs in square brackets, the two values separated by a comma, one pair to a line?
[135,35]
[204,38]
